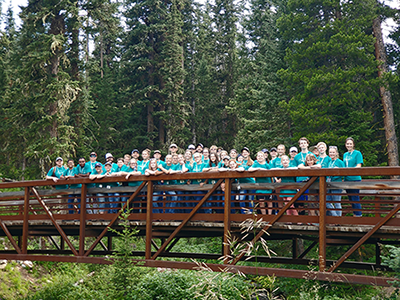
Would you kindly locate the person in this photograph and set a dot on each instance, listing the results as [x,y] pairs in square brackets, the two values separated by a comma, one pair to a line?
[153,169]
[314,150]
[110,158]
[180,167]
[133,170]
[234,166]
[112,197]
[198,167]
[144,164]
[292,152]
[188,159]
[135,154]
[157,156]
[263,195]
[169,168]
[246,163]
[92,161]
[274,153]
[287,195]
[212,166]
[353,159]
[199,148]
[276,162]
[191,148]
[206,155]
[173,149]
[323,159]
[233,154]
[56,173]
[70,172]
[266,154]
[311,163]
[222,156]
[83,170]
[99,173]
[333,201]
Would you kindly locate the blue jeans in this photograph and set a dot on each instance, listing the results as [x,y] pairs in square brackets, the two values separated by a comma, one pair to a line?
[156,202]
[207,204]
[101,203]
[243,197]
[71,199]
[353,198]
[171,202]
[113,205]
[333,201]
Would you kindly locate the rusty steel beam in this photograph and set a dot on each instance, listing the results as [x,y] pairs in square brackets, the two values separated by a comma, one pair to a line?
[253,270]
[25,227]
[58,227]
[172,244]
[365,237]
[8,234]
[322,224]
[82,223]
[274,219]
[227,222]
[115,218]
[149,219]
[190,215]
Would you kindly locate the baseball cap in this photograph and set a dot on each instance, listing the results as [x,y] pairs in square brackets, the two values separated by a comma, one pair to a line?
[173,145]
[59,158]
[274,149]
[293,149]
[265,150]
[108,155]
[135,150]
[97,165]
[191,147]
[200,144]
[245,148]
[108,163]
[226,157]
[157,151]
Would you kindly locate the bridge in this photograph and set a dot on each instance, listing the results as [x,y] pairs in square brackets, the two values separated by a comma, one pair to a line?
[79,232]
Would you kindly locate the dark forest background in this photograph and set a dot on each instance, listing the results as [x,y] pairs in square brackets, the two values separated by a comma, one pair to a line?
[111,76]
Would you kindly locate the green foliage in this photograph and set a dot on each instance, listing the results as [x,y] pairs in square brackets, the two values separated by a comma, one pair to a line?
[393,262]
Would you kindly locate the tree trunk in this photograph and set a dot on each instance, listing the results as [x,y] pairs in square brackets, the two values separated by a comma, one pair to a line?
[388,116]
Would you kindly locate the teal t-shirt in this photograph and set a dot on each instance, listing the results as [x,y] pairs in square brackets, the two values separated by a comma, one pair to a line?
[143,165]
[351,160]
[287,193]
[91,166]
[161,163]
[256,164]
[72,172]
[85,170]
[324,162]
[247,179]
[57,172]
[276,163]
[299,159]
[134,183]
[337,163]
[197,168]
[173,168]
[97,185]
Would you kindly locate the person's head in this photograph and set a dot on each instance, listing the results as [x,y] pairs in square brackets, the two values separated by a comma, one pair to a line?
[303,143]
[120,162]
[240,158]
[175,159]
[245,152]
[70,163]
[199,147]
[82,162]
[135,153]
[232,164]
[281,150]
[350,144]
[153,164]
[59,161]
[206,153]
[181,159]
[192,148]
[188,155]
[233,153]
[109,157]
[223,154]
[197,157]
[260,157]
[273,152]
[157,154]
[293,152]
[285,161]
[173,148]
[133,163]
[127,159]
[314,150]
[99,168]
[146,154]
[213,148]
[310,160]
[93,156]
[321,146]
[225,160]
[108,166]
[333,152]
[168,159]
[214,157]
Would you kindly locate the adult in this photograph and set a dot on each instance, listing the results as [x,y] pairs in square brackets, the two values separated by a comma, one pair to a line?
[188,159]
[234,166]
[99,173]
[277,161]
[169,168]
[233,154]
[84,170]
[56,173]
[92,161]
[173,149]
[192,148]
[263,195]
[153,169]
[199,148]
[353,159]
[70,172]
[127,159]
[144,164]
[135,154]
[206,155]
[198,167]
[266,154]
[323,159]
[274,153]
[112,197]
[293,152]
[246,163]
[157,156]
[110,158]
[133,170]
[333,201]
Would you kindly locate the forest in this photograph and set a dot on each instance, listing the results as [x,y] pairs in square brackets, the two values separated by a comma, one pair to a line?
[111,76]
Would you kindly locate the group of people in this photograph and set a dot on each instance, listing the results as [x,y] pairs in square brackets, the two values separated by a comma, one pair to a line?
[213,159]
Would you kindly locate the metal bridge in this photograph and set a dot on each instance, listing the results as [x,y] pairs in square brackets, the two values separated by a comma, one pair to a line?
[80,232]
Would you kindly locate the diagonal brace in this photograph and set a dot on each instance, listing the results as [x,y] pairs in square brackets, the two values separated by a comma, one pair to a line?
[50,215]
[365,237]
[191,214]
[102,234]
[274,219]
[7,232]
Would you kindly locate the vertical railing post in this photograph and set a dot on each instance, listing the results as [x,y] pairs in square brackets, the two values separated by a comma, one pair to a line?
[322,223]
[82,225]
[26,223]
[149,219]
[227,219]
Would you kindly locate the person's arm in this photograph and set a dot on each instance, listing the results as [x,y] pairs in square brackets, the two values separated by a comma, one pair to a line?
[317,166]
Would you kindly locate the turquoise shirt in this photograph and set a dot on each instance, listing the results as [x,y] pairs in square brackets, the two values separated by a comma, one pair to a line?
[85,170]
[299,159]
[324,162]
[287,193]
[97,185]
[247,179]
[197,168]
[143,165]
[134,183]
[265,166]
[337,163]
[351,160]
[276,163]
[57,172]
[72,172]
